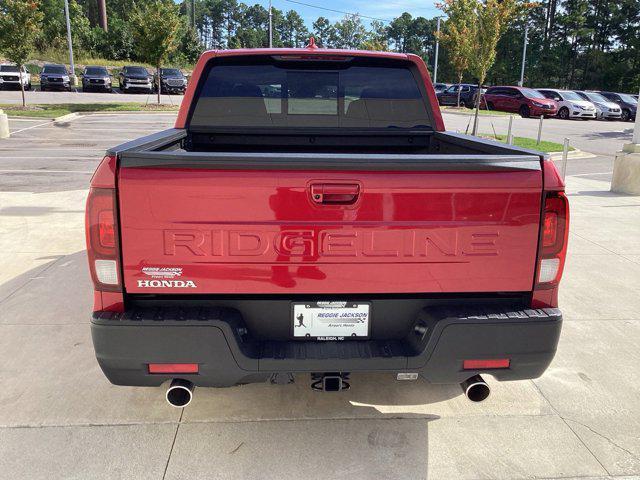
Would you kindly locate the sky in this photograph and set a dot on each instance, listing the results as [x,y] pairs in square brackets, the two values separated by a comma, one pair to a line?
[384,10]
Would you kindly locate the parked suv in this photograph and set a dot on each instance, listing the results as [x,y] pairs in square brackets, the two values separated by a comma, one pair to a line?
[449,96]
[96,78]
[605,108]
[11,76]
[440,87]
[570,104]
[134,77]
[628,104]
[525,101]
[172,80]
[55,77]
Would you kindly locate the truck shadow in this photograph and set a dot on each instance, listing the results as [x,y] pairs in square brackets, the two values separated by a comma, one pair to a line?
[601,193]
[60,292]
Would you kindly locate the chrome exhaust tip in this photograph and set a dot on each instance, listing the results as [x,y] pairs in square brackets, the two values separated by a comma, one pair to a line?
[476,389]
[179,393]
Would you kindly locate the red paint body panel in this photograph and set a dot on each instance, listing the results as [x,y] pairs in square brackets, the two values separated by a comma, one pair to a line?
[183,114]
[260,232]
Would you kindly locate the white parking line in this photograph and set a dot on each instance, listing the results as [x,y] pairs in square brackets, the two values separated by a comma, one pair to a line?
[33,126]
[18,119]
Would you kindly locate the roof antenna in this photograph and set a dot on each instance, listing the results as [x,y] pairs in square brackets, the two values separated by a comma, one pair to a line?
[312,44]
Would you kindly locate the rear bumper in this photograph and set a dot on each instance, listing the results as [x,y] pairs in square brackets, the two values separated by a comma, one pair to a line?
[217,339]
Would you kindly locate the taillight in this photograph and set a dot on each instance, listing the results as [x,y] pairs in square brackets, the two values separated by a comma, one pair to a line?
[102,239]
[553,240]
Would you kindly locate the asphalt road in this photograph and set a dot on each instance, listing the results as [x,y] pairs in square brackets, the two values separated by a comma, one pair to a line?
[41,155]
[60,417]
[601,139]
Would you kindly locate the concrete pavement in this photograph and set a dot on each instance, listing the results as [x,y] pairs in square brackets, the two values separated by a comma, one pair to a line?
[62,419]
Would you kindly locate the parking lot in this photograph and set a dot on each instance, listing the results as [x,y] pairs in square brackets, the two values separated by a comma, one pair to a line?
[61,418]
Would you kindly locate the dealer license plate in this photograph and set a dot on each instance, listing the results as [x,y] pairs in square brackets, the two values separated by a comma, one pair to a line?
[331,321]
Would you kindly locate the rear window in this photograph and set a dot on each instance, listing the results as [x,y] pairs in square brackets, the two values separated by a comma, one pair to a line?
[275,93]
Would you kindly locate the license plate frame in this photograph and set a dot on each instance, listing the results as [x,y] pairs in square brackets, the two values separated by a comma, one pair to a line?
[354,320]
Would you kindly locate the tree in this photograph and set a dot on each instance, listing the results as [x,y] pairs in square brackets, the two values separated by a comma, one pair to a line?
[491,18]
[349,32]
[292,30]
[458,35]
[323,32]
[155,30]
[20,22]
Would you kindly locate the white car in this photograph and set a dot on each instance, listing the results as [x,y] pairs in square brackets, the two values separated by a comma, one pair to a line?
[570,104]
[11,76]
[605,109]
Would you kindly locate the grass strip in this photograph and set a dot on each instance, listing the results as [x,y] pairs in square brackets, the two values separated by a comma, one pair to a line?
[54,110]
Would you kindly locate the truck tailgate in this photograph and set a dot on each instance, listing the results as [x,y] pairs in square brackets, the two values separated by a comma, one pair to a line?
[211,230]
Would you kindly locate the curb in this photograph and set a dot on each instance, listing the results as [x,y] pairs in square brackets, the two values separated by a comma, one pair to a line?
[129,112]
[65,119]
[471,112]
[20,117]
[572,155]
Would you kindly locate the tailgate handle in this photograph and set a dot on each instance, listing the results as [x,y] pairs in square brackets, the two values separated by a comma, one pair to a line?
[335,193]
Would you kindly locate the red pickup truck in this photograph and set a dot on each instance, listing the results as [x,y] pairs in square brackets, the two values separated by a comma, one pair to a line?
[309,214]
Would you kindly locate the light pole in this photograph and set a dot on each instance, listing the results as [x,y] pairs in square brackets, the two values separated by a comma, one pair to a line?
[524,54]
[102,14]
[270,26]
[73,68]
[435,62]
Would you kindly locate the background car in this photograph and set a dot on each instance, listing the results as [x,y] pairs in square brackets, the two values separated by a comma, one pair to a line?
[627,103]
[55,77]
[172,80]
[525,101]
[11,76]
[135,77]
[570,104]
[449,96]
[439,87]
[96,78]
[605,109]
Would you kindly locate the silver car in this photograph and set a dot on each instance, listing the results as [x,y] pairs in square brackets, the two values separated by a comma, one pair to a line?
[605,109]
